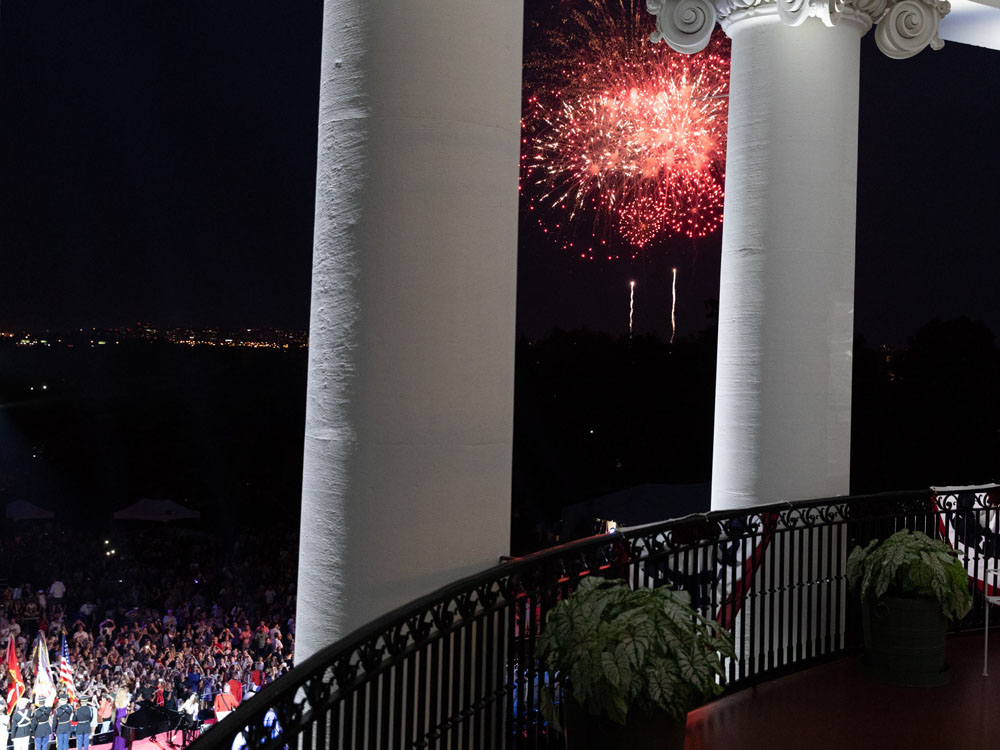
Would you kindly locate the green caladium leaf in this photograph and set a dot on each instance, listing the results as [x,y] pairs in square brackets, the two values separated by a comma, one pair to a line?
[661,689]
[617,648]
[548,708]
[613,671]
[686,665]
[617,709]
[911,563]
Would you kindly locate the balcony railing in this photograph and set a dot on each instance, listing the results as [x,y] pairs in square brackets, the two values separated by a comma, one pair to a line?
[458,669]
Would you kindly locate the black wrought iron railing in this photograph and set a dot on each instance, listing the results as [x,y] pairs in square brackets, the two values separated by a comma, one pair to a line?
[458,669]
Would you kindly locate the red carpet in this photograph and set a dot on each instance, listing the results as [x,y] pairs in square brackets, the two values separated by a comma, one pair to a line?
[156,742]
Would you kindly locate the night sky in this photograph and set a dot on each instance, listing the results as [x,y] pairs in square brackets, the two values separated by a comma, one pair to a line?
[158,164]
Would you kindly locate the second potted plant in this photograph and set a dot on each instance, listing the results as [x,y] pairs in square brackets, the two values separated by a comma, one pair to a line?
[910,585]
[633,662]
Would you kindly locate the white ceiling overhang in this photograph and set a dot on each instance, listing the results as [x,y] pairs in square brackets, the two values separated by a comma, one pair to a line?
[973,22]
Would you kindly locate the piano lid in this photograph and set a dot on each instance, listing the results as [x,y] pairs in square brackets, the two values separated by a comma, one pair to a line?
[147,720]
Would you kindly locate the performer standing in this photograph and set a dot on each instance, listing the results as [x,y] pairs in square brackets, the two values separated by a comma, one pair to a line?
[224,703]
[121,711]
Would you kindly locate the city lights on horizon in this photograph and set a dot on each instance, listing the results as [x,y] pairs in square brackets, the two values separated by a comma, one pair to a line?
[260,338]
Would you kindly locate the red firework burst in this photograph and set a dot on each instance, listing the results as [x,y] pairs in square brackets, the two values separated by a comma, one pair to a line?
[623,131]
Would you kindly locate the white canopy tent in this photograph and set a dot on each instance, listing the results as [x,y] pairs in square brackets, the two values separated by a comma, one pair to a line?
[22,510]
[148,509]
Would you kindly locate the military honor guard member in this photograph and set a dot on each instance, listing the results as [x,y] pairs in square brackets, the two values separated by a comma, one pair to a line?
[41,724]
[63,720]
[85,716]
[20,725]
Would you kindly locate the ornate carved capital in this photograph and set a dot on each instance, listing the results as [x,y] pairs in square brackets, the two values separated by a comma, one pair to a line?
[903,27]
[908,26]
[686,25]
[831,12]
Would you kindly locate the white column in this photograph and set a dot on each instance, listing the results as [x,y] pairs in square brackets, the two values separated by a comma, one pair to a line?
[786,298]
[409,419]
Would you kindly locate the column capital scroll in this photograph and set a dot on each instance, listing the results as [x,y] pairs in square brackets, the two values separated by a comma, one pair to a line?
[902,27]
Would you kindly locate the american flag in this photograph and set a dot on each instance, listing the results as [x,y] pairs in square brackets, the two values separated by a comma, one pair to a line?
[65,671]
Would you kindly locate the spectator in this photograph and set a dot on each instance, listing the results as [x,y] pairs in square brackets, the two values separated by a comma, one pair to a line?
[57,590]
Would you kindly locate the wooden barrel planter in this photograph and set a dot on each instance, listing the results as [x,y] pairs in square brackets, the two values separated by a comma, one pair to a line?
[905,641]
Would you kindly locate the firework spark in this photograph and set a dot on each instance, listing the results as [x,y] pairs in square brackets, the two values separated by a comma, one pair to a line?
[626,133]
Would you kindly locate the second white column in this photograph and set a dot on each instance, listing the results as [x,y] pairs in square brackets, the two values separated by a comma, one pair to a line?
[786,302]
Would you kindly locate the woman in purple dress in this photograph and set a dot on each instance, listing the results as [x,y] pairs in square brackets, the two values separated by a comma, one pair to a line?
[121,711]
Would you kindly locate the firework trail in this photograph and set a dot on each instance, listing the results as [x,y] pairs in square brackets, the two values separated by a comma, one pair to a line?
[631,306]
[673,306]
[623,133]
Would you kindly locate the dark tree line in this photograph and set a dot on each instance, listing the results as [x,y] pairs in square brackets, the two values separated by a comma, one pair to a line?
[928,414]
[594,414]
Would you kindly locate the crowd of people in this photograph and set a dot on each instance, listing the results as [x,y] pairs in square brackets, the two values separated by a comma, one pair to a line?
[166,616]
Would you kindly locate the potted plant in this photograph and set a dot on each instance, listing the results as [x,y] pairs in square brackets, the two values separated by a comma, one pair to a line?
[632,662]
[910,585]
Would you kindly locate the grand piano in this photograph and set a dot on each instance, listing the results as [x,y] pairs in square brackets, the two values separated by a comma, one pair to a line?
[147,720]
